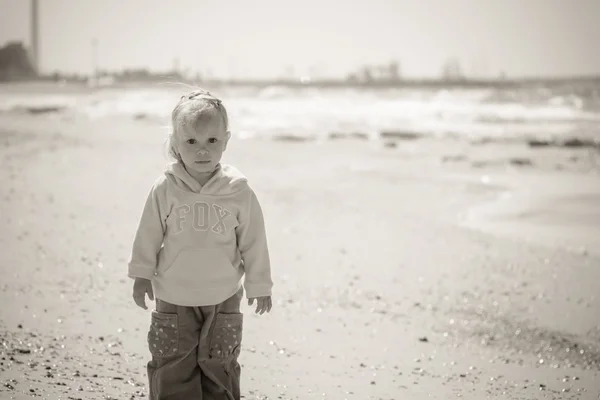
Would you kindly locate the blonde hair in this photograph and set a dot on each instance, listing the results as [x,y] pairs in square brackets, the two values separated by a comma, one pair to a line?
[192,108]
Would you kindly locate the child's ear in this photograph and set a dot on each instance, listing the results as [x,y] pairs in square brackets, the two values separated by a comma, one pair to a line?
[227,137]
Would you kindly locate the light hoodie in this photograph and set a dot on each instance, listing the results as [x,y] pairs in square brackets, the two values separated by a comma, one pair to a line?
[195,243]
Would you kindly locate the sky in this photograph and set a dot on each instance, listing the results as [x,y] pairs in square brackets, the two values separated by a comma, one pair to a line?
[322,38]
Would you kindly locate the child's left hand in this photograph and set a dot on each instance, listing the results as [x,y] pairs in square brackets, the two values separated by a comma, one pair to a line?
[262,304]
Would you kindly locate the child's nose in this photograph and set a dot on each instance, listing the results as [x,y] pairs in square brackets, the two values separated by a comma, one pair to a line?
[202,152]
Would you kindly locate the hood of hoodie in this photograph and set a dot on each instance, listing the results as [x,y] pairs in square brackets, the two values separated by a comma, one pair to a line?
[226,180]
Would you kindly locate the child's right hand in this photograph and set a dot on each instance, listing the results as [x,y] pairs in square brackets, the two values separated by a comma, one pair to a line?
[141,286]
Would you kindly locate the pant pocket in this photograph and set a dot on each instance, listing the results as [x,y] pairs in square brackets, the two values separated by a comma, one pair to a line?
[226,338]
[163,337]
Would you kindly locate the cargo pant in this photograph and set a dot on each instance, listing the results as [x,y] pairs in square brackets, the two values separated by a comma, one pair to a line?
[195,351]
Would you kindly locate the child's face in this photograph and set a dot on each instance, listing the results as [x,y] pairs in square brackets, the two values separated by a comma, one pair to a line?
[201,146]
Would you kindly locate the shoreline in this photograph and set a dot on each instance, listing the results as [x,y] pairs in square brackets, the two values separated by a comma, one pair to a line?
[435,83]
[564,213]
[539,118]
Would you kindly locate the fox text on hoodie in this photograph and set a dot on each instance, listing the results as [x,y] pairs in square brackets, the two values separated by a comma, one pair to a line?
[196,243]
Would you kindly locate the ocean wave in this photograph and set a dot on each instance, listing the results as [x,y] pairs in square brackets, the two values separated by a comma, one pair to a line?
[276,110]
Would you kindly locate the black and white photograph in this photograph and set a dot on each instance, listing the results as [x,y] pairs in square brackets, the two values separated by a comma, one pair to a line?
[300,200]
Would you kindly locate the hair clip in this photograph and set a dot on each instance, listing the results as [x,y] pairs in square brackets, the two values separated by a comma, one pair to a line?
[202,94]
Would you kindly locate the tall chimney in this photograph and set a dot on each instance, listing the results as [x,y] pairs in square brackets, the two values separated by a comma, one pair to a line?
[34,25]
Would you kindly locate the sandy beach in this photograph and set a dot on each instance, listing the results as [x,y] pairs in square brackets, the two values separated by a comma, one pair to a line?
[403,269]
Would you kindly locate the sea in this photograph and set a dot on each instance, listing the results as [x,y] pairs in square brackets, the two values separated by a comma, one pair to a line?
[529,111]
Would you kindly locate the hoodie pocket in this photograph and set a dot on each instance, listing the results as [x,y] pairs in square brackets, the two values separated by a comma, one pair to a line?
[210,265]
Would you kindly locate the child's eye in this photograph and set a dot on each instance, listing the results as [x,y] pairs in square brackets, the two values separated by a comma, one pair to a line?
[212,140]
[191,141]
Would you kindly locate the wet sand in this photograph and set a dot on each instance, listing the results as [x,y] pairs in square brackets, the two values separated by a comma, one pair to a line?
[424,269]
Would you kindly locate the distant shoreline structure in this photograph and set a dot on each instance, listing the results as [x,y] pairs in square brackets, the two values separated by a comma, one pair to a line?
[432,83]
[408,83]
[20,64]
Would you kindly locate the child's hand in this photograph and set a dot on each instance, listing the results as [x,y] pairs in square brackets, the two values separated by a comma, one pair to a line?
[262,304]
[142,286]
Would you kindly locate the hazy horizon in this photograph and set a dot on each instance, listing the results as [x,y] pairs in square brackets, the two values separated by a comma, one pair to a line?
[328,38]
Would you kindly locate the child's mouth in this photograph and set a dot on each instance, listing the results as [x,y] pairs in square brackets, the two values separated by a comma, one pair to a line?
[202,162]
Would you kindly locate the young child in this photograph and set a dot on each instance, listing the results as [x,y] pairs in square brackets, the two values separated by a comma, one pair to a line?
[200,232]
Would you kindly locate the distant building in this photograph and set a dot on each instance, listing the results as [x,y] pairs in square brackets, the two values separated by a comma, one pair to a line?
[15,63]
[451,71]
[393,71]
